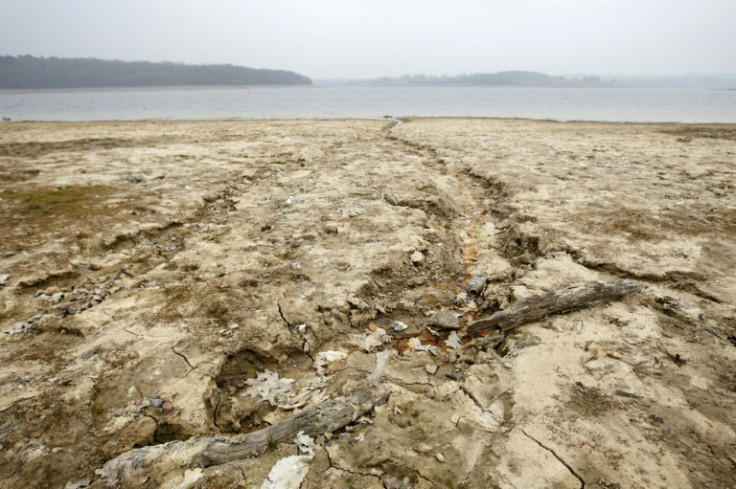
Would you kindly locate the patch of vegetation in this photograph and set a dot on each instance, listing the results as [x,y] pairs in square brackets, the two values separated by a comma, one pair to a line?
[29,215]
[720,131]
[74,201]
[590,400]
[220,314]
[98,408]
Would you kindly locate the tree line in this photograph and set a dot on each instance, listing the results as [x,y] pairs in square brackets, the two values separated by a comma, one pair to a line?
[29,72]
[503,78]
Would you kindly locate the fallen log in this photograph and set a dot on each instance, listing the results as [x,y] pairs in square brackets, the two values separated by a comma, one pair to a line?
[557,301]
[314,421]
[206,451]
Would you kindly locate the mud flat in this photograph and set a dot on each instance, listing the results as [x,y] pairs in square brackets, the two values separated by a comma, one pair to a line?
[169,285]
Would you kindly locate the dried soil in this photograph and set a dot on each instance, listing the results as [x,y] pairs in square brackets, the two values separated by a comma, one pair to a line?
[153,272]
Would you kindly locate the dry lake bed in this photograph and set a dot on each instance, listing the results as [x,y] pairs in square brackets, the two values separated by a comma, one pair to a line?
[167,286]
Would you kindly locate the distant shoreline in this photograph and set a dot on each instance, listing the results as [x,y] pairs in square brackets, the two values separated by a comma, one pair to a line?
[169,88]
[147,88]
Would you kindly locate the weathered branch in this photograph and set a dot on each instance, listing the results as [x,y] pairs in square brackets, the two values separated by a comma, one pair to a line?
[199,452]
[314,421]
[561,300]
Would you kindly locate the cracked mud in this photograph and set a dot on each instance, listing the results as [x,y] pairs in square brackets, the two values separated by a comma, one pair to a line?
[162,281]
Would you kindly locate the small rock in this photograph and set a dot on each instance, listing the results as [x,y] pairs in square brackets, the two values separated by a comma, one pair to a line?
[135,178]
[77,307]
[398,326]
[330,228]
[157,402]
[329,362]
[440,457]
[296,243]
[391,482]
[80,484]
[579,326]
[390,198]
[530,340]
[4,279]
[416,345]
[445,319]
[167,406]
[455,418]
[453,341]
[354,213]
[417,257]
[431,369]
[16,328]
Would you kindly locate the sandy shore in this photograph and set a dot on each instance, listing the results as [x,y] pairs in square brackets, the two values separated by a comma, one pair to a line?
[161,279]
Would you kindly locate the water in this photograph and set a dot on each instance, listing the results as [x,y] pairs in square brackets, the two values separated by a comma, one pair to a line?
[588,104]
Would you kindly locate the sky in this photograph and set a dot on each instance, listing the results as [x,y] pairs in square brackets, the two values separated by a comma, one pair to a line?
[366,39]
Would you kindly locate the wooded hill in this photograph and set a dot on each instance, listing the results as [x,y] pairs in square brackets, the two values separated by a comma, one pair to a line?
[26,72]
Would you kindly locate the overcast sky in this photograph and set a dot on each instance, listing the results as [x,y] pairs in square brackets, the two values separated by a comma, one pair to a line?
[357,38]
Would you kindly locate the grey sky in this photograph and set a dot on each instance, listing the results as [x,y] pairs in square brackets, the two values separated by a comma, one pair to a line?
[350,39]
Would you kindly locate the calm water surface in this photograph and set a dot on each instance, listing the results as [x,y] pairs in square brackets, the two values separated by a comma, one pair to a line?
[589,104]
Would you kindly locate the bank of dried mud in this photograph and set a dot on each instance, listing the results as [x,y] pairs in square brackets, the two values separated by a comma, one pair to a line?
[162,281]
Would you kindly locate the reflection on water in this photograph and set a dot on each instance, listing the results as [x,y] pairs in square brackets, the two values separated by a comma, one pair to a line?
[590,104]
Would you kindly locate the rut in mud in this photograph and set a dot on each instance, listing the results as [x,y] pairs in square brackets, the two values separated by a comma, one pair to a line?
[233,274]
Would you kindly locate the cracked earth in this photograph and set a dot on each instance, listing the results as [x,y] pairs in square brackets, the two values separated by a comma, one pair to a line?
[155,275]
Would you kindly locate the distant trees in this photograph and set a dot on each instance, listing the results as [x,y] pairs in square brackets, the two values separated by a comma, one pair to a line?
[503,78]
[25,72]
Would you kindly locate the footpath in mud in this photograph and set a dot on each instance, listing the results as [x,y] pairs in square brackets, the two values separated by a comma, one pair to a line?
[286,304]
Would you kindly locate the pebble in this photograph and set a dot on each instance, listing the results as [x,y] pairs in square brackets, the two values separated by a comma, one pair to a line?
[440,457]
[354,213]
[417,257]
[135,178]
[167,406]
[157,402]
[330,228]
[398,325]
[390,198]
[578,326]
[444,320]
[431,369]
[4,278]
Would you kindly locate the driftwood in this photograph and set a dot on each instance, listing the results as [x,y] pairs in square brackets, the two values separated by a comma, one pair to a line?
[314,421]
[561,300]
[199,452]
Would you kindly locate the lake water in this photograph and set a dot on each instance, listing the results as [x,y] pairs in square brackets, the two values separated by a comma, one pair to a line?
[588,104]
